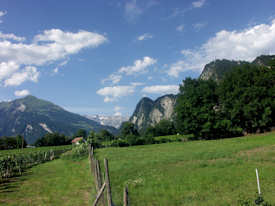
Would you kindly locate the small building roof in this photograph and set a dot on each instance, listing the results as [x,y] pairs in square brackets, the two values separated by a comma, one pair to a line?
[77,139]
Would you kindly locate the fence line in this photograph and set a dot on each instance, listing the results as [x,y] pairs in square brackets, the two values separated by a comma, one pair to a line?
[100,187]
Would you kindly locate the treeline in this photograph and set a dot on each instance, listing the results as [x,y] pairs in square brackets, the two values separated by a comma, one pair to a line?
[12,142]
[242,102]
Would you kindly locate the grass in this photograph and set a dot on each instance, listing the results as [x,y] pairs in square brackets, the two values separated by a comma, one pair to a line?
[55,183]
[193,173]
[214,172]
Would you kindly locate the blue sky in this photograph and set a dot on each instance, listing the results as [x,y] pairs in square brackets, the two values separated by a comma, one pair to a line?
[103,56]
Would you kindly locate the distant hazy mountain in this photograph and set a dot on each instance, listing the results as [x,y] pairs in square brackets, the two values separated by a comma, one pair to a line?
[114,121]
[33,117]
[149,112]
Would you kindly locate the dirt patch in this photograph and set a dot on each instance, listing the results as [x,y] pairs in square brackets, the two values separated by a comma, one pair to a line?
[258,150]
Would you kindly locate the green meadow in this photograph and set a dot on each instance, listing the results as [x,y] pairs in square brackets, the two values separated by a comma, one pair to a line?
[216,172]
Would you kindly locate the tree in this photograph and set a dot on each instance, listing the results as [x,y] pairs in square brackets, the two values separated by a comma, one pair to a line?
[81,133]
[20,142]
[105,135]
[12,142]
[52,139]
[128,128]
[195,109]
[165,127]
[247,98]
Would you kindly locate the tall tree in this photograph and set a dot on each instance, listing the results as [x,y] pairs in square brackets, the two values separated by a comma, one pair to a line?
[196,108]
[247,98]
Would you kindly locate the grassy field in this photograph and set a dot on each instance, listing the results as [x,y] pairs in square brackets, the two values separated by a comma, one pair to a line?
[55,183]
[215,173]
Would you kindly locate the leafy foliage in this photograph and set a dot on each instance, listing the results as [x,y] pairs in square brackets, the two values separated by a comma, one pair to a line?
[53,139]
[247,98]
[243,102]
[15,161]
[12,142]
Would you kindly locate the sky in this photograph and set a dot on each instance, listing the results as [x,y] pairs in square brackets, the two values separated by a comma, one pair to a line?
[103,56]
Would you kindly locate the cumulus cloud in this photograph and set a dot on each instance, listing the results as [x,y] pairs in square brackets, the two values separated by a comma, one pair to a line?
[21,93]
[28,73]
[46,48]
[113,78]
[7,69]
[139,66]
[198,4]
[180,28]
[245,44]
[145,37]
[117,111]
[113,93]
[11,36]
[161,89]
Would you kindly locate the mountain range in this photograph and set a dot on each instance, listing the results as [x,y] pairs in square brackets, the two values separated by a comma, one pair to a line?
[114,121]
[33,117]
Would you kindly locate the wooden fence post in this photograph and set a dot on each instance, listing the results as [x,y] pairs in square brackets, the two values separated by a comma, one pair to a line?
[99,194]
[99,181]
[125,197]
[91,158]
[108,184]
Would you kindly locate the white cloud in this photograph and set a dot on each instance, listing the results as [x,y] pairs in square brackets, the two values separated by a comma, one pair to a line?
[55,70]
[7,68]
[238,45]
[137,84]
[138,67]
[117,108]
[52,45]
[145,37]
[113,93]
[114,78]
[199,26]
[2,13]
[180,28]
[11,36]
[28,73]
[21,93]
[161,89]
[132,10]
[198,4]
[117,111]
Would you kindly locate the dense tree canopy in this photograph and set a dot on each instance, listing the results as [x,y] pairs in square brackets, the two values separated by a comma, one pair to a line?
[247,98]
[12,142]
[52,139]
[195,108]
[243,102]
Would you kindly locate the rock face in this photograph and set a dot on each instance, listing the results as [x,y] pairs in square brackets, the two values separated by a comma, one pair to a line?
[216,70]
[33,117]
[149,112]
[265,60]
